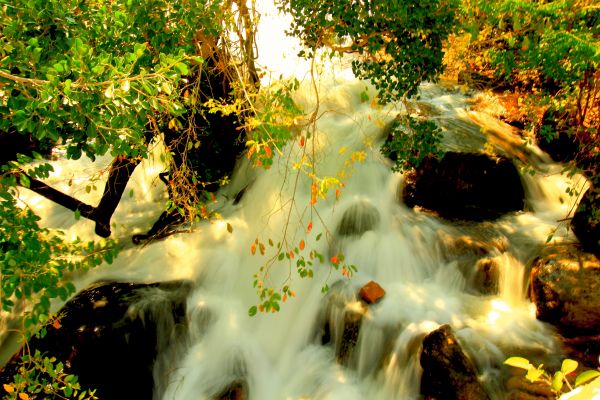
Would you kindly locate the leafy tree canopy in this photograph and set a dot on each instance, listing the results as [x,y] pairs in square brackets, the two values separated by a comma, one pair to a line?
[399,43]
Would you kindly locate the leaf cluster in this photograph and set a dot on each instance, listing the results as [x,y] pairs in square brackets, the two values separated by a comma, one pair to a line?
[35,262]
[410,140]
[398,44]
[90,73]
[585,383]
[40,375]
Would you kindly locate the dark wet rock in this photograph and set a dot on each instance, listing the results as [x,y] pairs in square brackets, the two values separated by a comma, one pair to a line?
[565,288]
[555,136]
[584,349]
[109,335]
[447,372]
[518,387]
[340,322]
[586,221]
[371,292]
[236,391]
[358,219]
[465,186]
[487,274]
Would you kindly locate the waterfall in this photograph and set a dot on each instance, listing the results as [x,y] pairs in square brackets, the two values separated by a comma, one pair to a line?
[426,265]
[414,256]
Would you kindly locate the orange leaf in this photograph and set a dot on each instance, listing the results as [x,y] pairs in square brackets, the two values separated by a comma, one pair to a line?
[284,298]
[253,248]
[301,245]
[261,248]
[9,388]
[337,193]
[309,227]
[23,396]
[56,324]
[291,254]
[302,141]
[334,260]
[268,151]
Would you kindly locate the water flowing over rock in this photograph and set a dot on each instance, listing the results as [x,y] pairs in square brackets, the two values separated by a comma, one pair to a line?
[447,372]
[565,287]
[435,271]
[110,334]
[358,219]
[465,186]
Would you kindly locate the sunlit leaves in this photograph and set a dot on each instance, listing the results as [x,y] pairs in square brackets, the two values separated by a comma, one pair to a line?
[273,121]
[398,43]
[93,81]
[34,261]
[561,380]
[44,376]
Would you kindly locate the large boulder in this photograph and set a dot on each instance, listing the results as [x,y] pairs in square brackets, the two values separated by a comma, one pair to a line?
[447,372]
[465,186]
[565,288]
[586,221]
[109,336]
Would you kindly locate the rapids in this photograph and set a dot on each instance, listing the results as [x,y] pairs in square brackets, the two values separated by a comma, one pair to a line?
[411,254]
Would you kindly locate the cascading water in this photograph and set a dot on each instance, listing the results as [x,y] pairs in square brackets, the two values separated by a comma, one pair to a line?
[427,266]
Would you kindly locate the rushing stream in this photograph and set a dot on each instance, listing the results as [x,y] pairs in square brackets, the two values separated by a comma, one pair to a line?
[427,266]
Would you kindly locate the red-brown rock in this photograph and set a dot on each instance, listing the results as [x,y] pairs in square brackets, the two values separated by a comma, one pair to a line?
[371,293]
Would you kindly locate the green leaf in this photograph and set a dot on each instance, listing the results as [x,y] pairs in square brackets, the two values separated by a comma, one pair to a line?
[568,366]
[24,180]
[557,381]
[586,376]
[252,311]
[518,362]
[181,68]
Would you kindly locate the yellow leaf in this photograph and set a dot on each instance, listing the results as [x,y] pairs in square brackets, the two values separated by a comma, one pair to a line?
[9,388]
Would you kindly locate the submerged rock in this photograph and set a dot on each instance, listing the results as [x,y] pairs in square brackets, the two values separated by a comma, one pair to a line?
[487,276]
[565,288]
[236,391]
[358,219]
[109,336]
[447,372]
[465,186]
